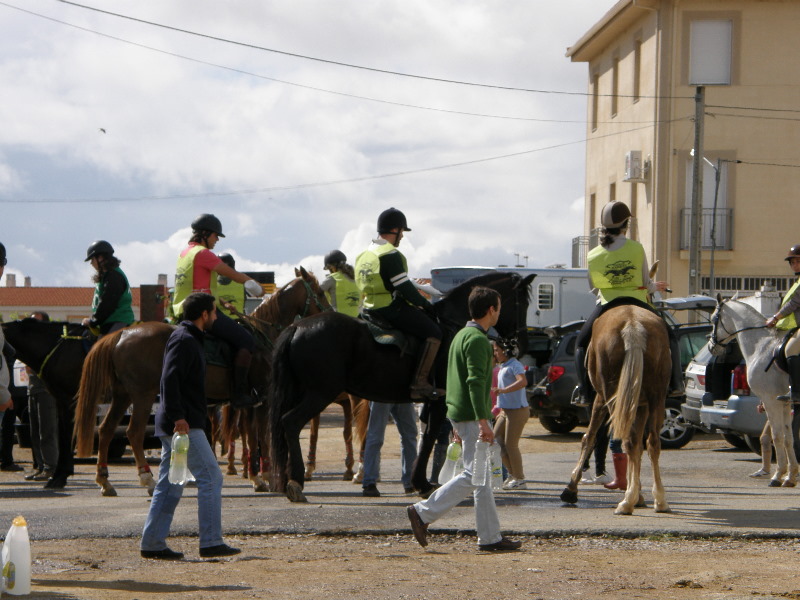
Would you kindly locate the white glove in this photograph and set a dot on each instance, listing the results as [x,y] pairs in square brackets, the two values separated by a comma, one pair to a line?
[252,287]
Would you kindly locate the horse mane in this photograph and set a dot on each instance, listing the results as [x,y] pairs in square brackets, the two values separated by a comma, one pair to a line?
[55,326]
[460,293]
[270,311]
[745,310]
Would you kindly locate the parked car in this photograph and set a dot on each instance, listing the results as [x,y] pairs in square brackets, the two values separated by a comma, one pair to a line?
[552,399]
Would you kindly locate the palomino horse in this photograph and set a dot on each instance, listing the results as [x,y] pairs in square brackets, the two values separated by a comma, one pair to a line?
[319,357]
[56,351]
[629,366]
[127,364]
[734,319]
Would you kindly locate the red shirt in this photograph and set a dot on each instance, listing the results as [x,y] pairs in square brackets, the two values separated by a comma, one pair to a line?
[204,263]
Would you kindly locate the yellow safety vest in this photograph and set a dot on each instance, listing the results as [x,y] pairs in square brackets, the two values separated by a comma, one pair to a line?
[184,280]
[617,273]
[788,322]
[368,276]
[347,297]
[231,292]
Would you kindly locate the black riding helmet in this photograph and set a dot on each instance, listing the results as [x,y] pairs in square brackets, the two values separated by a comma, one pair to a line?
[334,257]
[228,260]
[794,252]
[390,219]
[3,259]
[96,248]
[208,222]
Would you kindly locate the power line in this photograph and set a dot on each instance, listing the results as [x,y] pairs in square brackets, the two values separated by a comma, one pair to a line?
[758,117]
[768,164]
[790,110]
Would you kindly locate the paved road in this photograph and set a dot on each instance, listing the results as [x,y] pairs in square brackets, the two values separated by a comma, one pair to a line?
[707,487]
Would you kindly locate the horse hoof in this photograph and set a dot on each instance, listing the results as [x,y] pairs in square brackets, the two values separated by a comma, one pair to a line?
[774,483]
[663,508]
[294,491]
[641,503]
[348,475]
[569,496]
[788,483]
[623,508]
[110,492]
[259,485]
[231,471]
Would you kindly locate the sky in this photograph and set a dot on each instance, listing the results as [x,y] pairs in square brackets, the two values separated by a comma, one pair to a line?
[296,123]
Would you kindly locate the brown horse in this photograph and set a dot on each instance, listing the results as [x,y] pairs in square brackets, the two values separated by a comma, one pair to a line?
[127,365]
[629,366]
[349,406]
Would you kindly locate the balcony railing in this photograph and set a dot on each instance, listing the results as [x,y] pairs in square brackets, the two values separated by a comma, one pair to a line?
[723,234]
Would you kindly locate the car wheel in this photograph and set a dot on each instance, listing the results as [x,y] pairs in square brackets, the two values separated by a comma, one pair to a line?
[736,440]
[560,424]
[754,443]
[675,432]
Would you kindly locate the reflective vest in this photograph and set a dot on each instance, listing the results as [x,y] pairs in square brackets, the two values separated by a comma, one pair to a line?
[789,321]
[368,276]
[618,273]
[184,280]
[346,298]
[123,313]
[231,292]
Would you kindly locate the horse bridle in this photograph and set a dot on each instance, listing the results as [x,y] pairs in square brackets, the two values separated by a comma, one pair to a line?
[64,337]
[713,340]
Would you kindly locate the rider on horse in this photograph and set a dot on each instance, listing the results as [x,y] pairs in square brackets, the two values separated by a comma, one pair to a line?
[340,285]
[619,274]
[788,319]
[229,291]
[382,277]
[197,271]
[111,304]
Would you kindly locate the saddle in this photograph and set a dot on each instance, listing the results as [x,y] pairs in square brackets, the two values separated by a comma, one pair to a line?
[385,334]
[779,355]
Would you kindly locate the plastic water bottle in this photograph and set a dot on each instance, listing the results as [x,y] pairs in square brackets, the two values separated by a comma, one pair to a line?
[16,557]
[449,468]
[480,466]
[178,465]
[497,467]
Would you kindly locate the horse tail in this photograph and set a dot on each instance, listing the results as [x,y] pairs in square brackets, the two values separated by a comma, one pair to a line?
[629,389]
[97,379]
[282,400]
[360,417]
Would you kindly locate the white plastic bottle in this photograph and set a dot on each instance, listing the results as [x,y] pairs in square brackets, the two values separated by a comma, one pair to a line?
[480,466]
[449,468]
[497,467]
[178,464]
[16,556]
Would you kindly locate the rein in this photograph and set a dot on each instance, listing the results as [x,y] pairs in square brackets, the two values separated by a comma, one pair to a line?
[64,336]
[729,335]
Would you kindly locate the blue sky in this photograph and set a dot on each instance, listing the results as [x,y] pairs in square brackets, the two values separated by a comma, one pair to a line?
[299,166]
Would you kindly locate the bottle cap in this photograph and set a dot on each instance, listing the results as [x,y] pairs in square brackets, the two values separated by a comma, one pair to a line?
[19,521]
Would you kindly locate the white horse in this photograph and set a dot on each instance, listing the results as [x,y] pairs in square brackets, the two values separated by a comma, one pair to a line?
[734,319]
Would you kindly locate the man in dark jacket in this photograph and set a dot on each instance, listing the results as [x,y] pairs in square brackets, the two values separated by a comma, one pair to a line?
[183,409]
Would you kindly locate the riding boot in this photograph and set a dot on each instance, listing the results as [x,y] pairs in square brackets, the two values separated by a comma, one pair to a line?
[242,394]
[421,387]
[620,472]
[794,377]
[676,379]
[585,391]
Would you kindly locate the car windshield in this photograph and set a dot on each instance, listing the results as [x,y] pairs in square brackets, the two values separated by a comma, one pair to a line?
[703,356]
[691,343]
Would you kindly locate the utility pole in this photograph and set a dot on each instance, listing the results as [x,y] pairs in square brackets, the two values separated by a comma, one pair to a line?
[695,221]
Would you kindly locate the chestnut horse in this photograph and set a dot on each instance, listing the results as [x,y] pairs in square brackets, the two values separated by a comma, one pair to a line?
[127,365]
[629,366]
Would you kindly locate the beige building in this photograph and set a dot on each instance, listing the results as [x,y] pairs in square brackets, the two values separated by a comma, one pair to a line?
[646,59]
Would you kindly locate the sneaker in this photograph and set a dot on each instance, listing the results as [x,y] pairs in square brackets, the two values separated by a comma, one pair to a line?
[219,550]
[760,473]
[165,554]
[515,484]
[370,491]
[504,545]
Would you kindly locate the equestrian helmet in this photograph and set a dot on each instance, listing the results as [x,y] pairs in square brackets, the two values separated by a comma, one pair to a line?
[3,259]
[228,260]
[390,219]
[334,257]
[794,252]
[98,247]
[208,222]
[614,215]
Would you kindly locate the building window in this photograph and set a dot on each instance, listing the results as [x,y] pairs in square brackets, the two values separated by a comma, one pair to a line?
[637,69]
[612,192]
[615,87]
[715,221]
[546,296]
[595,99]
[710,51]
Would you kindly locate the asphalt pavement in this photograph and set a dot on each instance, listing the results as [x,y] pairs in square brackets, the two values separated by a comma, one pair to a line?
[706,482]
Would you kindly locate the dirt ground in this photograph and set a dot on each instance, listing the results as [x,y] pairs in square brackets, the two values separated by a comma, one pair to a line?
[394,566]
[375,567]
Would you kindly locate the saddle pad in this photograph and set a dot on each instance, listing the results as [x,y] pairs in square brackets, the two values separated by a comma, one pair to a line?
[218,352]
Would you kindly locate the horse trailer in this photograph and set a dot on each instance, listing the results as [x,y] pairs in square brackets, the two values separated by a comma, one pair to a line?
[558,295]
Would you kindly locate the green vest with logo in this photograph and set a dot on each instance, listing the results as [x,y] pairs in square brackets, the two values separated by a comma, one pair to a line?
[789,321]
[123,313]
[348,298]
[231,292]
[368,276]
[617,273]
[184,280]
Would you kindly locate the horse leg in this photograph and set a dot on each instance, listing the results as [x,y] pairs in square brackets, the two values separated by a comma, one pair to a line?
[775,415]
[792,468]
[265,465]
[105,433]
[293,422]
[253,466]
[654,451]
[599,414]
[136,429]
[633,448]
[765,441]
[311,459]
[347,432]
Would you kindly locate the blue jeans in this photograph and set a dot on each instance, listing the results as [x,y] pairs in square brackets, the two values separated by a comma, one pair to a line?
[203,465]
[405,417]
[459,487]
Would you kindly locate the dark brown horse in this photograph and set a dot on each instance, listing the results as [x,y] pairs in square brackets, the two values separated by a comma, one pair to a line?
[629,366]
[127,365]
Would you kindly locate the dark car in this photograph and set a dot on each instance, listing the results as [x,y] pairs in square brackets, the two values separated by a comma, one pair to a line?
[553,399]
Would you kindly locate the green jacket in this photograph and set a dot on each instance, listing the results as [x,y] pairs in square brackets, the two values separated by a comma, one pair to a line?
[469,375]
